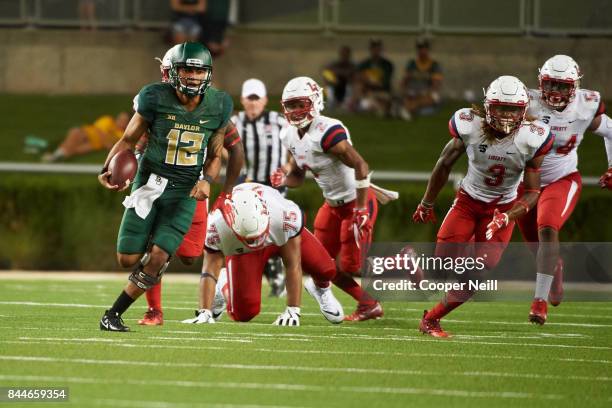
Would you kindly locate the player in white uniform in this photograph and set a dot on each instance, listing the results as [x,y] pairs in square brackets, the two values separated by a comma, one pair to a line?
[500,146]
[569,111]
[344,223]
[256,223]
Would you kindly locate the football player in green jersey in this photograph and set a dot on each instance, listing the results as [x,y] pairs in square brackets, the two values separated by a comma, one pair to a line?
[186,120]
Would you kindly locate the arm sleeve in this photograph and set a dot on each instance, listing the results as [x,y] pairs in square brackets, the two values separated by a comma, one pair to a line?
[332,136]
[228,108]
[605,130]
[145,103]
[545,146]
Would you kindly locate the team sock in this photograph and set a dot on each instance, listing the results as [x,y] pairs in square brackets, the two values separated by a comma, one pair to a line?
[453,300]
[154,297]
[123,302]
[350,286]
[543,283]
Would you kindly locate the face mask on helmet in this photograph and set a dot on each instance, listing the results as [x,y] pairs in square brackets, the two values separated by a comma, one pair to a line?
[556,92]
[299,111]
[190,80]
[505,118]
[302,101]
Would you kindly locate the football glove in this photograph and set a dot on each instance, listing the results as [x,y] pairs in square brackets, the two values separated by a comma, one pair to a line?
[202,316]
[361,225]
[500,220]
[605,181]
[277,178]
[424,213]
[290,317]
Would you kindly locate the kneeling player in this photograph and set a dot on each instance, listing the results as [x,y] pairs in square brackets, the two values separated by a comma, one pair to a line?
[256,223]
[500,146]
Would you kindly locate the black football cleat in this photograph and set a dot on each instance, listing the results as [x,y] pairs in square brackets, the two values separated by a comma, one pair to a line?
[110,322]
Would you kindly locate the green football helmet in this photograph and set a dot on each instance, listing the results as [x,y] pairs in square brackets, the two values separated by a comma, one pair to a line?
[194,55]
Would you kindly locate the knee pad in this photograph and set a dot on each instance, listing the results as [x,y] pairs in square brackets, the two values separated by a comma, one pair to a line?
[143,280]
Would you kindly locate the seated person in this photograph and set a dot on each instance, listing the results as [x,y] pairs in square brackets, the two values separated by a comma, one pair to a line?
[186,19]
[102,134]
[373,82]
[338,77]
[421,83]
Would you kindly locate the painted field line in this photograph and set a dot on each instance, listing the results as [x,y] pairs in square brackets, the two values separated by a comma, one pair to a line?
[93,361]
[166,404]
[289,387]
[353,370]
[70,341]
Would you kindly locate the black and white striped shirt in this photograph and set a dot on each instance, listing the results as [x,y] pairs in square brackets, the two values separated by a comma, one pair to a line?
[263,150]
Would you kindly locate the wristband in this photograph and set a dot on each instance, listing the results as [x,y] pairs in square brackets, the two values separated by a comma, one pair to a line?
[426,204]
[365,183]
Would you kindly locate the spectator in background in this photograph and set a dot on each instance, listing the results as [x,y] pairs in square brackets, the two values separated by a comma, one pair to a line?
[420,87]
[373,82]
[260,132]
[186,21]
[338,78]
[102,134]
[87,14]
[214,22]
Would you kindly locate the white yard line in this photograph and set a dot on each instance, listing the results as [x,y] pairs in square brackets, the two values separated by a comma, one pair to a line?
[352,370]
[93,361]
[289,387]
[72,341]
[166,404]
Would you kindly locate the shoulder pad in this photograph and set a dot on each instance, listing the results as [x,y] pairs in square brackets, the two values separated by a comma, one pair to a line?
[588,103]
[466,124]
[531,136]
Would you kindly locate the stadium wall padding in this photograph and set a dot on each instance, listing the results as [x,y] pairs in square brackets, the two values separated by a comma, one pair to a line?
[55,222]
[110,62]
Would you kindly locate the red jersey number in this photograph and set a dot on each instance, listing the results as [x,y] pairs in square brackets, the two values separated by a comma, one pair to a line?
[497,175]
[568,147]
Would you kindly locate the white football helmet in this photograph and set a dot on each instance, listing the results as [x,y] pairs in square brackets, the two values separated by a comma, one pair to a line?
[302,101]
[248,217]
[165,64]
[506,103]
[559,78]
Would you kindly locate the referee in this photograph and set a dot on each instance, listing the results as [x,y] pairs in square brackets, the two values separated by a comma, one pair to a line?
[260,129]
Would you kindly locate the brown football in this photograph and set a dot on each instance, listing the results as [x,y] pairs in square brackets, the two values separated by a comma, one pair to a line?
[123,166]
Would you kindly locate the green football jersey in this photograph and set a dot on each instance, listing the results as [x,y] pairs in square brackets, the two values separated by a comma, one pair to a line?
[177,138]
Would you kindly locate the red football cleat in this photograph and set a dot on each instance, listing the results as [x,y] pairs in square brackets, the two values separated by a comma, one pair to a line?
[538,311]
[431,327]
[555,296]
[365,312]
[152,317]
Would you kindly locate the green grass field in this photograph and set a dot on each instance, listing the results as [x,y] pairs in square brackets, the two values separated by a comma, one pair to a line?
[50,337]
[387,144]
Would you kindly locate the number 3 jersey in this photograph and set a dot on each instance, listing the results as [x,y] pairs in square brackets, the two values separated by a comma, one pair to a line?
[495,168]
[286,222]
[336,179]
[568,128]
[177,138]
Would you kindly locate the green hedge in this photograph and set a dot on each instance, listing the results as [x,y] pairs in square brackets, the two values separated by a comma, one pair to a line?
[70,222]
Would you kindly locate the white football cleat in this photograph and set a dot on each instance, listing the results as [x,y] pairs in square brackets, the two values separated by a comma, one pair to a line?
[290,317]
[202,316]
[329,305]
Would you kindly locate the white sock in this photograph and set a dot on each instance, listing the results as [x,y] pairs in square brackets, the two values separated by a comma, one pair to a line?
[222,279]
[543,283]
[58,154]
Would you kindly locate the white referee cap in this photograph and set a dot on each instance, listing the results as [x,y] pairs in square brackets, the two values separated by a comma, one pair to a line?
[253,87]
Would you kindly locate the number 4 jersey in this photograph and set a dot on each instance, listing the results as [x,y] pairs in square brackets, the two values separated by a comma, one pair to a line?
[177,138]
[568,128]
[495,168]
[286,222]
